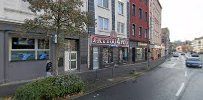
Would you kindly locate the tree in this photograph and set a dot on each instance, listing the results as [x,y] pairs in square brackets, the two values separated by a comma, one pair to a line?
[58,18]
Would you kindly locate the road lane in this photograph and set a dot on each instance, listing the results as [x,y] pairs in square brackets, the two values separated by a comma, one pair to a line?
[159,84]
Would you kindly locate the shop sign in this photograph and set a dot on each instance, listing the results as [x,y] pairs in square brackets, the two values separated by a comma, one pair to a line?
[109,40]
[142,44]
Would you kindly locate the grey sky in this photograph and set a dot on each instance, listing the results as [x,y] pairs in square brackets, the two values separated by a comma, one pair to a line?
[184,18]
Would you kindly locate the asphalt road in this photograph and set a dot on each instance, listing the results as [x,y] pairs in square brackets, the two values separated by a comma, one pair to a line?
[169,81]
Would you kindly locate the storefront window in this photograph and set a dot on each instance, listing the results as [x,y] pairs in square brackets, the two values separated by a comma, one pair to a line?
[123,54]
[23,49]
[22,55]
[139,54]
[107,55]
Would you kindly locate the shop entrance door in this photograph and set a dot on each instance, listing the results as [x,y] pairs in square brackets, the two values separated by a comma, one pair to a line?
[70,60]
[95,58]
[133,54]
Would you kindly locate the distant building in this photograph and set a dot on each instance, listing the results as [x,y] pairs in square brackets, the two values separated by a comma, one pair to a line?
[139,30]
[165,42]
[155,9]
[197,45]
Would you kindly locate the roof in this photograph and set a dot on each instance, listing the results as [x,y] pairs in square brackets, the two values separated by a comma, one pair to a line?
[199,38]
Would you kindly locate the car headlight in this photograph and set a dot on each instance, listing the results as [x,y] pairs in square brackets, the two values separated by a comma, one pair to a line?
[200,65]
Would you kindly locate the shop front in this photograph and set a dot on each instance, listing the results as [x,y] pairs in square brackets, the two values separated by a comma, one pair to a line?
[138,51]
[107,50]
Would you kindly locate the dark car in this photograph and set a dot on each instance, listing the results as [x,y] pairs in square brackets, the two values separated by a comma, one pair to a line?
[182,53]
[176,55]
[193,62]
[194,55]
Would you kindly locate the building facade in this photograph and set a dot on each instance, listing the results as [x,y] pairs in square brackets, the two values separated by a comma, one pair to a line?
[155,28]
[139,30]
[108,43]
[165,33]
[23,56]
[197,45]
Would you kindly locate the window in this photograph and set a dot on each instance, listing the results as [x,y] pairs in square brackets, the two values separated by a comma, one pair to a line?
[133,29]
[107,55]
[140,31]
[103,23]
[134,10]
[146,33]
[29,49]
[146,16]
[120,27]
[140,13]
[120,8]
[103,3]
[146,2]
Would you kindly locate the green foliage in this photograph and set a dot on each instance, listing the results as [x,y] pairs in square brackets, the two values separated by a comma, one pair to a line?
[51,87]
[60,16]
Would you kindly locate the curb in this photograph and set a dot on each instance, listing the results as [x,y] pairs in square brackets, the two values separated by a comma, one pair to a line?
[106,86]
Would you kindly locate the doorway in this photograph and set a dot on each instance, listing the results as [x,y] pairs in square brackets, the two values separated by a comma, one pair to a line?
[95,58]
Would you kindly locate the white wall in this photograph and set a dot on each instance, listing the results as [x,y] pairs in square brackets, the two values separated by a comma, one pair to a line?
[14,11]
[121,18]
[106,13]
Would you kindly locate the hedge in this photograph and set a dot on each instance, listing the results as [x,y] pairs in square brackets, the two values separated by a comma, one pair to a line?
[49,88]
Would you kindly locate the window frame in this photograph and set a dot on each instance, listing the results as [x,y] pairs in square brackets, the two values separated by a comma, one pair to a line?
[35,50]
[120,29]
[134,10]
[101,3]
[103,28]
[140,31]
[120,10]
[140,13]
[133,29]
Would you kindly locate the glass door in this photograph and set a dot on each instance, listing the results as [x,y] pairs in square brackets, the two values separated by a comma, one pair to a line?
[95,58]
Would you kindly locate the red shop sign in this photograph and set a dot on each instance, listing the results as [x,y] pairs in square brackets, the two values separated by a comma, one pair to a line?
[109,40]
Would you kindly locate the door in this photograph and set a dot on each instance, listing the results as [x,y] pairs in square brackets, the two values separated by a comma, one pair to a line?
[95,58]
[70,60]
[133,54]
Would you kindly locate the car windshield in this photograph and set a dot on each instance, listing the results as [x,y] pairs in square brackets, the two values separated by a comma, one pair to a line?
[193,59]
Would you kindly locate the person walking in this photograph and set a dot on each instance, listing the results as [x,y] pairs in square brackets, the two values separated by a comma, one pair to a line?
[49,68]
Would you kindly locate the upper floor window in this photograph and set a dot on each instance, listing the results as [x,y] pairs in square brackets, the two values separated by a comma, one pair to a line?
[146,2]
[146,33]
[103,3]
[140,13]
[120,8]
[103,23]
[133,29]
[120,27]
[146,16]
[140,31]
[134,10]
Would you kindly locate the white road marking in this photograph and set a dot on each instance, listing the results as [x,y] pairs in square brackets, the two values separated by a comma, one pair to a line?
[185,73]
[180,89]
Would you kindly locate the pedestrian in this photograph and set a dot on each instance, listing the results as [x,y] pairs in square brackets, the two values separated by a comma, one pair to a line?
[49,68]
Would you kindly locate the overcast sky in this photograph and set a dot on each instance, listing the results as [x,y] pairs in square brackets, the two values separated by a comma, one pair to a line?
[184,18]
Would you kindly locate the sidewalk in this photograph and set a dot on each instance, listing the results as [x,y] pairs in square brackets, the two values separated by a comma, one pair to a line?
[96,79]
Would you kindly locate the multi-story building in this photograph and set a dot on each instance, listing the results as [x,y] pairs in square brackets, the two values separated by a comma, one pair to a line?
[155,9]
[24,56]
[165,41]
[139,27]
[108,41]
[197,45]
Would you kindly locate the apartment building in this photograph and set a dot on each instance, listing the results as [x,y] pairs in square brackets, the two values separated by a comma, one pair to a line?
[24,56]
[155,28]
[165,42]
[139,30]
[197,45]
[108,42]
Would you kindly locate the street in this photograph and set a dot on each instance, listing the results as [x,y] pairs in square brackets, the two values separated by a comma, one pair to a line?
[169,81]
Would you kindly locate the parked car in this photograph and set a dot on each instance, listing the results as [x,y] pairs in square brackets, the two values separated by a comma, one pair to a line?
[193,62]
[194,55]
[175,55]
[182,53]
